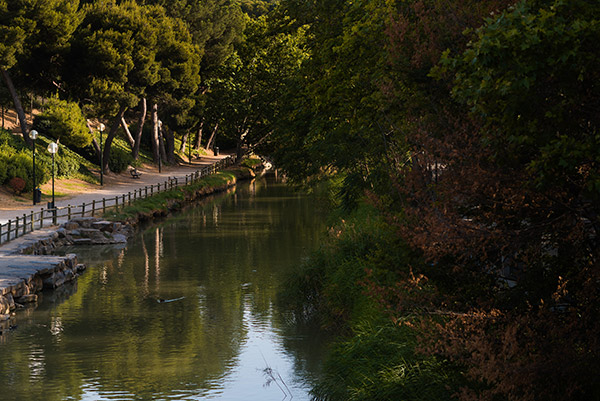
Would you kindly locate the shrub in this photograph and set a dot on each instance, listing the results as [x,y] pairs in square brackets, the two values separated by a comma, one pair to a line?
[119,159]
[3,168]
[17,184]
[65,166]
[64,120]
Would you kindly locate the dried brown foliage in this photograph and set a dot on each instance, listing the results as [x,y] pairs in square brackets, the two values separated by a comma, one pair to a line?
[512,273]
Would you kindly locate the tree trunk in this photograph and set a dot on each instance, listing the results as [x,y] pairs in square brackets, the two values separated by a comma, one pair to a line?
[111,135]
[211,140]
[127,133]
[18,107]
[184,141]
[198,142]
[240,143]
[169,137]
[94,141]
[161,142]
[138,136]
[155,134]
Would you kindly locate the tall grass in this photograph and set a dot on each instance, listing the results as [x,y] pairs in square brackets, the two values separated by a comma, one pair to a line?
[374,358]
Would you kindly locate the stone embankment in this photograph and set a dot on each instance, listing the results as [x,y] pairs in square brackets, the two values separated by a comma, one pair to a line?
[27,266]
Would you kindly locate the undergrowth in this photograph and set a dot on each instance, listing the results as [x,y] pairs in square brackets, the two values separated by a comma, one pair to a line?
[374,358]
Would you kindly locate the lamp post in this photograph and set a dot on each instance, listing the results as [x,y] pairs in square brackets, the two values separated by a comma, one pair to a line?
[190,147]
[159,138]
[33,134]
[101,128]
[52,148]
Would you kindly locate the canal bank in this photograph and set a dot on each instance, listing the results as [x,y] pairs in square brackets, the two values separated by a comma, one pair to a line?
[27,265]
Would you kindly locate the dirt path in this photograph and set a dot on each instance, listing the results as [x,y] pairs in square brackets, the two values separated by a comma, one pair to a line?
[77,192]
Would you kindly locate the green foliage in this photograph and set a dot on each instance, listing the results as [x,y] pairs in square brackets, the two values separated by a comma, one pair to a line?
[35,35]
[119,160]
[379,362]
[63,120]
[333,112]
[112,58]
[12,36]
[65,166]
[16,161]
[378,359]
[530,75]
[329,286]
[251,162]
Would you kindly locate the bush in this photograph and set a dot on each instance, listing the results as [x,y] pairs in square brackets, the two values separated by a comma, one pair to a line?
[64,120]
[65,166]
[16,161]
[119,159]
[17,184]
[3,168]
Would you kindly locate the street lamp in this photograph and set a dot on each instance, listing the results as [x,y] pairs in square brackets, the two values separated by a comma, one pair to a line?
[52,148]
[101,128]
[33,134]
[159,138]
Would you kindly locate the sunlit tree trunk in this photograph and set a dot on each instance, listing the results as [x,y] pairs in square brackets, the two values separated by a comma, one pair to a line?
[198,142]
[18,107]
[138,136]
[111,135]
[155,134]
[211,140]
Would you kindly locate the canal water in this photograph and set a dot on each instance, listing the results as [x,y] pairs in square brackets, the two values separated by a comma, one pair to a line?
[185,311]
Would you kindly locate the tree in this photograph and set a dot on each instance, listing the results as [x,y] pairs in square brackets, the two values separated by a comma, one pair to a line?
[34,34]
[528,202]
[113,61]
[215,26]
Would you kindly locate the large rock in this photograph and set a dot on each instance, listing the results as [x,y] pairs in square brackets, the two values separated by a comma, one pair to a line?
[4,306]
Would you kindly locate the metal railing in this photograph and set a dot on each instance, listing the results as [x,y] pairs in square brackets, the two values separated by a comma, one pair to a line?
[27,223]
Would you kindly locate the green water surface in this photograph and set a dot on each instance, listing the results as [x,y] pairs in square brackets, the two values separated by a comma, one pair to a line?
[220,263]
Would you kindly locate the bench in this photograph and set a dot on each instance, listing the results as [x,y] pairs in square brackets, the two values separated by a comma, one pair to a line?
[135,173]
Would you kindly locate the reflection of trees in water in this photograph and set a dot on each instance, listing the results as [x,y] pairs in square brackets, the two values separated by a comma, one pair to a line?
[226,258]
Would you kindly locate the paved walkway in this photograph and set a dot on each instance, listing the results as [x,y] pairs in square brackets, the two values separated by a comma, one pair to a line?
[122,185]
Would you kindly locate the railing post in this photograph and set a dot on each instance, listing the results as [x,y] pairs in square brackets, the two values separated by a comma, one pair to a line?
[32,217]
[24,223]
[0,233]
[103,205]
[8,232]
[42,218]
[69,212]
[117,202]
[123,200]
[158,189]
[129,198]
[93,207]
[17,228]
[83,209]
